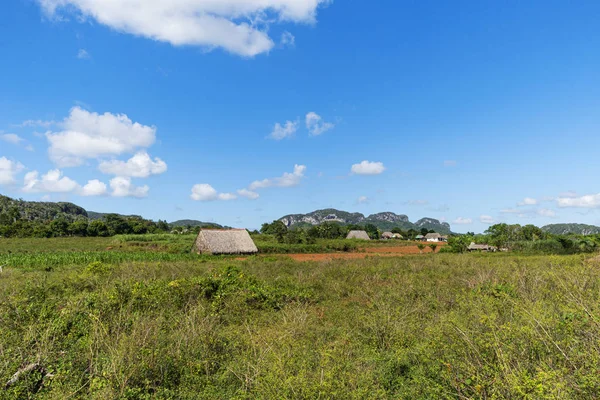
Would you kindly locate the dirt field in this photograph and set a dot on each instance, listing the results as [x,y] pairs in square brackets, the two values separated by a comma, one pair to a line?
[388,251]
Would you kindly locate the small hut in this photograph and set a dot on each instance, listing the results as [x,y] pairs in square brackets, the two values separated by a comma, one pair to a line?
[397,236]
[224,241]
[362,235]
[481,247]
[387,235]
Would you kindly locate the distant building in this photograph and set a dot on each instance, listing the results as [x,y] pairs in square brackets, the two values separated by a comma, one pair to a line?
[397,236]
[435,237]
[387,235]
[362,235]
[481,247]
[220,241]
[419,237]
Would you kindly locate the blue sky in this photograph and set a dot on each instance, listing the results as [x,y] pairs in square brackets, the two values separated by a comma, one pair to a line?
[470,112]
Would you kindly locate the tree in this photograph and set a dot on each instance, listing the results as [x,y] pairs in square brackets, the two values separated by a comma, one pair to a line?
[78,227]
[421,247]
[98,228]
[60,227]
[117,225]
[372,231]
[424,231]
[433,246]
[275,228]
[162,226]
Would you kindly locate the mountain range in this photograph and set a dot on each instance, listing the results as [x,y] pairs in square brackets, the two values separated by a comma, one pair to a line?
[384,221]
[565,229]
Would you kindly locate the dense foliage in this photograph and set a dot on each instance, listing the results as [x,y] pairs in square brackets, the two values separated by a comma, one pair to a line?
[150,325]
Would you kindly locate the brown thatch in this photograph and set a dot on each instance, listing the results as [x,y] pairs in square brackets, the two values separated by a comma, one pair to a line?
[219,241]
[387,235]
[358,235]
[481,247]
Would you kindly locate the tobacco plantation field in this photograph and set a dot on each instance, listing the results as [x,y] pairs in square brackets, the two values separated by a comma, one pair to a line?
[141,318]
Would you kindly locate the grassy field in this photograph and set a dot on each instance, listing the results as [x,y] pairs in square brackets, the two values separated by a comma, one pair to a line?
[140,322]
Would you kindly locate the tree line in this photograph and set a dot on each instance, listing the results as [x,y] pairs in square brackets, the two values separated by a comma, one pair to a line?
[12,225]
[329,230]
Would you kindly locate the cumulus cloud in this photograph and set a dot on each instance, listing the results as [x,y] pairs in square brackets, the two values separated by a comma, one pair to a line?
[238,26]
[528,201]
[286,130]
[51,182]
[588,201]
[487,219]
[462,221]
[315,124]
[11,138]
[122,187]
[288,179]
[94,188]
[83,54]
[205,192]
[9,170]
[88,135]
[248,194]
[138,166]
[363,200]
[368,168]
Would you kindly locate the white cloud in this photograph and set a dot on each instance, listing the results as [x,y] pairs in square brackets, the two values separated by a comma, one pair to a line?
[450,163]
[83,54]
[52,182]
[36,123]
[283,131]
[287,39]
[363,200]
[487,219]
[227,196]
[11,138]
[462,221]
[29,148]
[315,124]
[588,201]
[288,179]
[510,211]
[248,194]
[122,187]
[91,135]
[368,168]
[528,201]
[205,192]
[94,188]
[8,170]
[138,166]
[238,26]
[568,194]
[545,212]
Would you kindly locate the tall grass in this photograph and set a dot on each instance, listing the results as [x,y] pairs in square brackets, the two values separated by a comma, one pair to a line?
[416,327]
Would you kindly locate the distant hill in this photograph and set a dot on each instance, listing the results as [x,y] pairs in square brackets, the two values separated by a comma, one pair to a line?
[193,222]
[38,210]
[92,215]
[384,220]
[577,229]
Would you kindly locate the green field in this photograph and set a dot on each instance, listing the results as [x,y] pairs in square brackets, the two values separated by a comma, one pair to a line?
[146,319]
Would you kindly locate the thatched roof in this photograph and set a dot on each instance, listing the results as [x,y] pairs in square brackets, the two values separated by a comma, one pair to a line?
[358,235]
[481,247]
[219,241]
[433,236]
[387,235]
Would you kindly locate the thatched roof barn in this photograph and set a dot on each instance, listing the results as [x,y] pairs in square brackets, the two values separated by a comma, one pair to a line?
[358,235]
[387,235]
[224,241]
[481,247]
